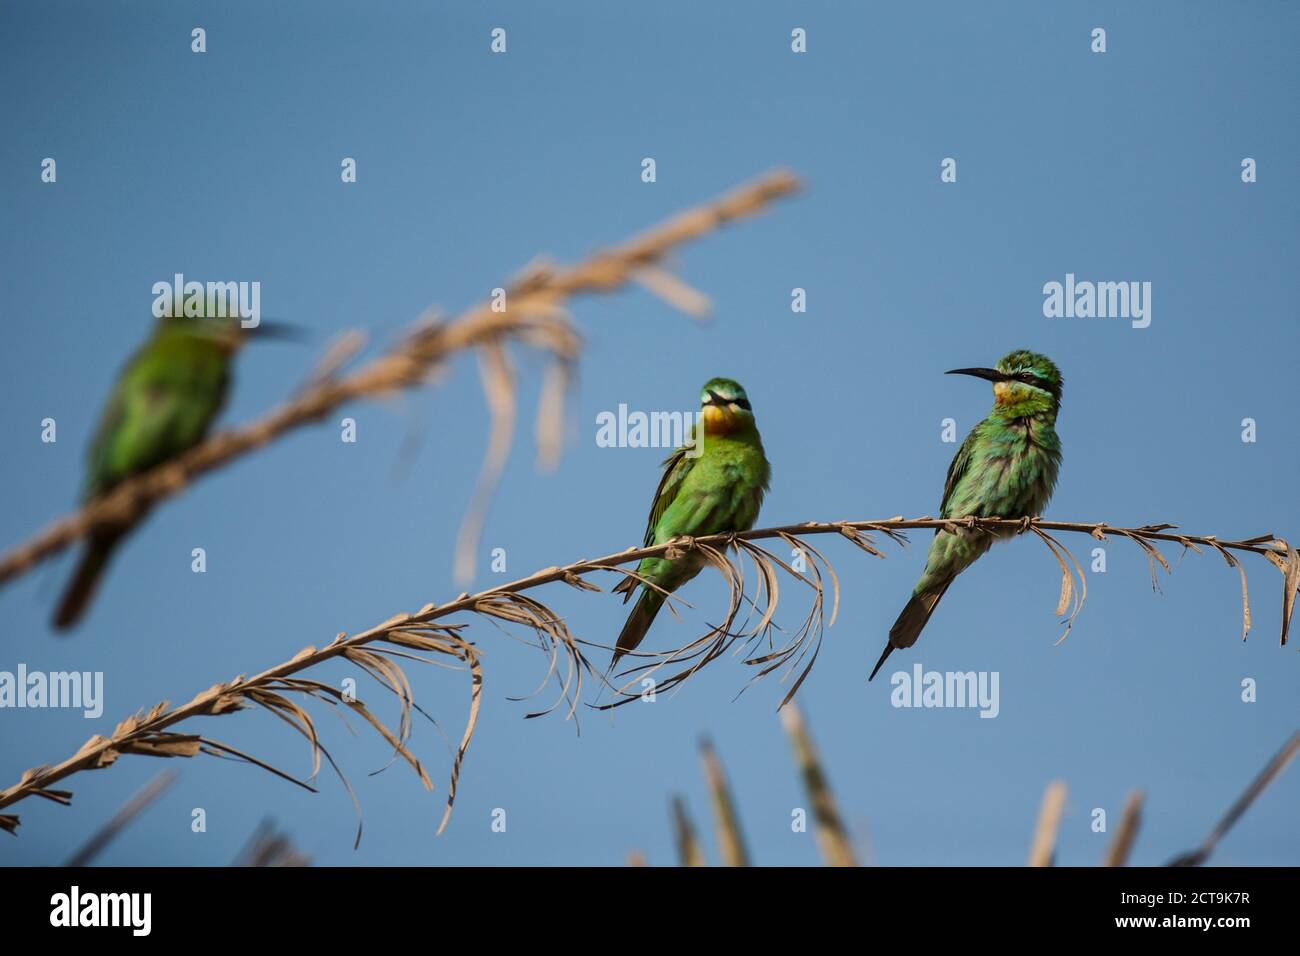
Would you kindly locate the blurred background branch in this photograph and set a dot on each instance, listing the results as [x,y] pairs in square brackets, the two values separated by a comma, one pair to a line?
[140,802]
[269,846]
[1257,786]
[531,312]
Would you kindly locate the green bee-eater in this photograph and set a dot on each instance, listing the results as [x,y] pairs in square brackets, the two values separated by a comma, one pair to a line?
[162,405]
[712,486]
[1006,468]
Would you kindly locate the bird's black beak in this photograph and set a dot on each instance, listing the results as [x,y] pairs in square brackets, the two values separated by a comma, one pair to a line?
[715,399]
[283,331]
[990,374]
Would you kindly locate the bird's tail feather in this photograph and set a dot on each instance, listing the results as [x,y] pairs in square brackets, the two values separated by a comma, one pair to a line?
[638,623]
[911,621]
[77,595]
[626,587]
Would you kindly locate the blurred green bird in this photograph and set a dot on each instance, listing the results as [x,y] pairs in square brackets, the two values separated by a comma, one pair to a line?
[719,490]
[162,405]
[1006,468]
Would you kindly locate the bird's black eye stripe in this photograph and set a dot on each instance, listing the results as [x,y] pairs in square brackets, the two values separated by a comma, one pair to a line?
[1034,379]
[715,399]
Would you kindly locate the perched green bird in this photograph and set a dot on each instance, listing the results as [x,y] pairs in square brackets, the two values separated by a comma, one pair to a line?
[162,405]
[1006,468]
[718,490]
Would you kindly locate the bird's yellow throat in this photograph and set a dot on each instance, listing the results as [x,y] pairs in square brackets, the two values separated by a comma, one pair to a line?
[718,420]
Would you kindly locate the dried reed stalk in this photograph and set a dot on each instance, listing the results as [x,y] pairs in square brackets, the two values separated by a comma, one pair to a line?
[1257,786]
[1043,850]
[377,650]
[268,847]
[534,315]
[726,819]
[1122,845]
[832,835]
[690,852]
[138,803]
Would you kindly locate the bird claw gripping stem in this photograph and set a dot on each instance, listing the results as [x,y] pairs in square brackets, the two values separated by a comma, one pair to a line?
[680,545]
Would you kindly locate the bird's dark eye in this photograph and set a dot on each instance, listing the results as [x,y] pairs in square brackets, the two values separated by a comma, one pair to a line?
[1029,378]
[743,403]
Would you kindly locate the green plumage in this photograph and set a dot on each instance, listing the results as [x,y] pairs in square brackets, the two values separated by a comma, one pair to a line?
[1006,468]
[162,405]
[719,490]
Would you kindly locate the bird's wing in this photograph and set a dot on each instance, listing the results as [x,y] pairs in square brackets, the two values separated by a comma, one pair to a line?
[157,411]
[126,415]
[100,454]
[676,467]
[956,470]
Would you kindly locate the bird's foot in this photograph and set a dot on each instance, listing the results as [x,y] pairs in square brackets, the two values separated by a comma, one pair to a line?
[679,546]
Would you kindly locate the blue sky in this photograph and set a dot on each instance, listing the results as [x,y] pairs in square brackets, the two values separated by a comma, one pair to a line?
[1122,166]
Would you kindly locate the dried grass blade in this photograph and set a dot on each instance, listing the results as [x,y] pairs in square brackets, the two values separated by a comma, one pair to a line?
[731,841]
[476,695]
[499,390]
[832,835]
[1117,852]
[689,850]
[1291,581]
[1042,851]
[217,748]
[1272,770]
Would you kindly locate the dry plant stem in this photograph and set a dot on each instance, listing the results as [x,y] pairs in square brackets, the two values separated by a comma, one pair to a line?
[731,841]
[533,314]
[150,734]
[1257,786]
[1122,845]
[140,802]
[832,835]
[689,850]
[1049,821]
[268,847]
